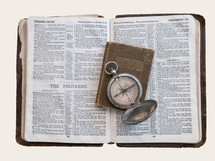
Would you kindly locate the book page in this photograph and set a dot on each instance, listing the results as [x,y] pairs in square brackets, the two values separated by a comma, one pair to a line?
[174,79]
[64,59]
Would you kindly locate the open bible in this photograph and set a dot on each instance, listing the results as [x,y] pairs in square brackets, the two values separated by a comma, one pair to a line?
[58,68]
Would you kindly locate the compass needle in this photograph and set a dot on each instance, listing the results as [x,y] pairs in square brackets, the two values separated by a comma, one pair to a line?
[124,89]
[126,84]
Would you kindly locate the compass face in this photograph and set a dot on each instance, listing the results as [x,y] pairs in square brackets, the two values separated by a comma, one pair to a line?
[124,90]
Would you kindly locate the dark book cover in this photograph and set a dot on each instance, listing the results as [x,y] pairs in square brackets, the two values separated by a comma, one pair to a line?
[19,99]
[130,59]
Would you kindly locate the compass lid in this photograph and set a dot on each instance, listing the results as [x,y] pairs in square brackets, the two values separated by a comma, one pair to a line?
[139,112]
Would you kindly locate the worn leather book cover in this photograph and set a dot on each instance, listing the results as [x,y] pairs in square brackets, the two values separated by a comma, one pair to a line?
[19,99]
[130,59]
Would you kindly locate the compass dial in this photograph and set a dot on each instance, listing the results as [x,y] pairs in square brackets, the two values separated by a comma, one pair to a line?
[124,90]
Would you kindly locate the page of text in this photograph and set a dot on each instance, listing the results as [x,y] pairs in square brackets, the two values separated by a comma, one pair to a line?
[64,63]
[173,81]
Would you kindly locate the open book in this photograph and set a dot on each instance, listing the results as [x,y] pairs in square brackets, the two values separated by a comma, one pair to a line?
[58,68]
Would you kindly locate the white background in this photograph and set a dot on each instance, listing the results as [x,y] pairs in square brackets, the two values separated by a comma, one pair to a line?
[12,11]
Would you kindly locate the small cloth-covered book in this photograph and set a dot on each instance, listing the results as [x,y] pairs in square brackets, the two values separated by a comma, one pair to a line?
[130,59]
